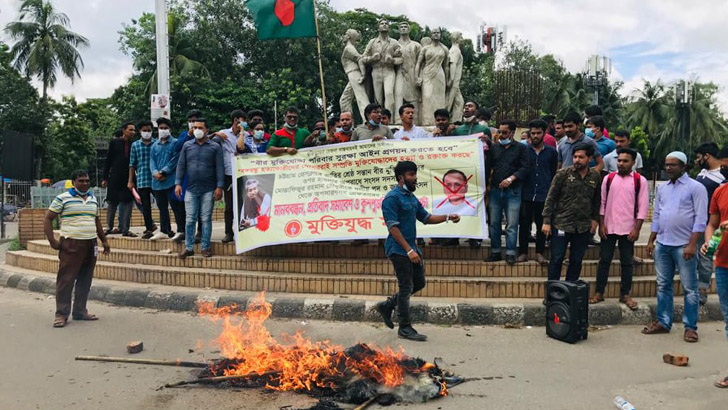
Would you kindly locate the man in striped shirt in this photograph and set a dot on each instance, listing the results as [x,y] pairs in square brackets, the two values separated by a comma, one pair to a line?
[78,210]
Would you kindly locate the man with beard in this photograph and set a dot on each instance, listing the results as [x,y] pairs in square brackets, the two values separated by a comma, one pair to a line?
[575,137]
[678,221]
[543,159]
[443,128]
[572,207]
[470,122]
[402,210]
[624,206]
[256,207]
[343,133]
[706,158]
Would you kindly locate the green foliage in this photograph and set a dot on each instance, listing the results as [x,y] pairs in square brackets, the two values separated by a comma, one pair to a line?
[15,245]
[639,141]
[19,104]
[44,44]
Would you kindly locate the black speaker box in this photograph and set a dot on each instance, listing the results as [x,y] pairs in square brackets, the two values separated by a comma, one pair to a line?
[567,310]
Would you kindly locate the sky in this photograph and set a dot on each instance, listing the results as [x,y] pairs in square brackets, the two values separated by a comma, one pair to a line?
[647,39]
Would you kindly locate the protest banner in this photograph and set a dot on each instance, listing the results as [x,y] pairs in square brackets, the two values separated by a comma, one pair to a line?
[335,192]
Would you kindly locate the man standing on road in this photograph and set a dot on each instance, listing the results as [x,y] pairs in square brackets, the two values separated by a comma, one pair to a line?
[77,249]
[706,158]
[678,221]
[508,167]
[719,217]
[201,160]
[622,192]
[572,206]
[402,210]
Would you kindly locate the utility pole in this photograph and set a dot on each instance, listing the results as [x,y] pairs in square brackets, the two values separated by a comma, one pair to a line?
[683,100]
[162,48]
[597,74]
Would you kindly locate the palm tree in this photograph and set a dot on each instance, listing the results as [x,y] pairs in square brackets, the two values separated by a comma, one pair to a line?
[650,110]
[44,44]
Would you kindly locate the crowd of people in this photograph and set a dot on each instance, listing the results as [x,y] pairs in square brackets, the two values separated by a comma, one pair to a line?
[569,177]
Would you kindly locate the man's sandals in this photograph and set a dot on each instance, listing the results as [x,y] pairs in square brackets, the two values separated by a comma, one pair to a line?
[85,316]
[722,384]
[654,328]
[598,297]
[59,321]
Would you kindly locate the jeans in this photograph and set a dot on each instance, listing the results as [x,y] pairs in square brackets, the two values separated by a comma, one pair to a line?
[228,196]
[578,243]
[124,215]
[705,267]
[508,200]
[411,279]
[626,260]
[667,259]
[146,195]
[164,202]
[721,285]
[530,213]
[198,204]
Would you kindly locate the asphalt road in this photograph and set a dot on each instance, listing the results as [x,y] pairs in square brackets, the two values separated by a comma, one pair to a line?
[519,368]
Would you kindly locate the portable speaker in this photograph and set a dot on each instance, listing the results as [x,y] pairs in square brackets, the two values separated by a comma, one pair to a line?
[567,310]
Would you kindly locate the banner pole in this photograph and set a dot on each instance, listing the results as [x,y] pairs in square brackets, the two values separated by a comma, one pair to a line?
[321,69]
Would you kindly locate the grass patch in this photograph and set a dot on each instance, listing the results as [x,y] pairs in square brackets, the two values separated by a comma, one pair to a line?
[15,245]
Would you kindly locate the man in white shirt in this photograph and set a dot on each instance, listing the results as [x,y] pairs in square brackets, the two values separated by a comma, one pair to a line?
[228,140]
[622,139]
[455,188]
[409,130]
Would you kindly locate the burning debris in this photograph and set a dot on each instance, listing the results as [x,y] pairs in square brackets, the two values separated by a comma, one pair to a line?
[361,374]
[253,358]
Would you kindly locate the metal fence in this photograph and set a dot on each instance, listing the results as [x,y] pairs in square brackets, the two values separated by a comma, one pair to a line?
[518,95]
[41,197]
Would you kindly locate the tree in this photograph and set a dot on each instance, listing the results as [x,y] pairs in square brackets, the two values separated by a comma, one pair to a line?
[19,106]
[44,44]
[650,109]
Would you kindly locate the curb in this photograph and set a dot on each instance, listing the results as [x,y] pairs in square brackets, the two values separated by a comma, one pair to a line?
[357,310]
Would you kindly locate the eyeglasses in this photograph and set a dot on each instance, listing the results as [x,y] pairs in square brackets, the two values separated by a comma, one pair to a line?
[503,132]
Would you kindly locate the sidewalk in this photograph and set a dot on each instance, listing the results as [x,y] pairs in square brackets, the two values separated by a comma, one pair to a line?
[444,311]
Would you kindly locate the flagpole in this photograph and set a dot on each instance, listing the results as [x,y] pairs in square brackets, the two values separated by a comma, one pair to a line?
[321,69]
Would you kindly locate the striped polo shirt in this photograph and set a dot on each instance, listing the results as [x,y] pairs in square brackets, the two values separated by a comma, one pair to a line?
[78,216]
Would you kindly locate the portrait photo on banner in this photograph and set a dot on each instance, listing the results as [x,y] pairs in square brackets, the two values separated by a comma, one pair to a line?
[450,188]
[255,194]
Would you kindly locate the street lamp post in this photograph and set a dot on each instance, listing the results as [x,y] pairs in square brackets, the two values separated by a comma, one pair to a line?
[162,47]
[597,73]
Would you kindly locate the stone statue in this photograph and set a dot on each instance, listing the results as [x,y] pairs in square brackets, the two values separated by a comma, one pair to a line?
[406,85]
[433,71]
[356,72]
[383,54]
[455,100]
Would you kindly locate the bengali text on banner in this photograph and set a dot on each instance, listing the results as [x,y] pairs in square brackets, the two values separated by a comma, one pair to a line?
[335,192]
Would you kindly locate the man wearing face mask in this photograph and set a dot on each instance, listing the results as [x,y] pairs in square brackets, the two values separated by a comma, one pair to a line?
[470,122]
[184,136]
[228,140]
[140,175]
[290,138]
[401,211]
[163,165]
[317,136]
[508,166]
[595,124]
[706,157]
[344,131]
[372,129]
[202,161]
[254,141]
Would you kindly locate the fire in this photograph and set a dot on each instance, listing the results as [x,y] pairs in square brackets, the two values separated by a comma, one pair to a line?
[298,363]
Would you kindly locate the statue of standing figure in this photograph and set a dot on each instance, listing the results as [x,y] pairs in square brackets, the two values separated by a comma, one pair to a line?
[384,55]
[433,71]
[455,99]
[406,85]
[356,72]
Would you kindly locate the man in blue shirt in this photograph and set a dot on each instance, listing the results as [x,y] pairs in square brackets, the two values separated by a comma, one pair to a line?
[163,166]
[543,161]
[401,211]
[202,162]
[678,220]
[140,176]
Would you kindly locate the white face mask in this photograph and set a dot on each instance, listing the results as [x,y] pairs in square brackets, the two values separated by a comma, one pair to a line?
[199,134]
[147,135]
[164,134]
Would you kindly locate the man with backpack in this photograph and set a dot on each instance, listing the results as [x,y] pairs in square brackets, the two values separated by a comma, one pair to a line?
[624,208]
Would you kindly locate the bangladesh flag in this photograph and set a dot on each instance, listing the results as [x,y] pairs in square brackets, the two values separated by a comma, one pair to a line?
[283,18]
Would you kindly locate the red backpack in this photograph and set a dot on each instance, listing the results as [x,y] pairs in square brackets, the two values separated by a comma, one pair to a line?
[637,181]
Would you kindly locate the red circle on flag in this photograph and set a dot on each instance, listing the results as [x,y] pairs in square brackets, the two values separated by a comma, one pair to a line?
[293,228]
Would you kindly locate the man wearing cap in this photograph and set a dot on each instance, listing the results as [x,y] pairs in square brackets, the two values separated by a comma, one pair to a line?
[678,221]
